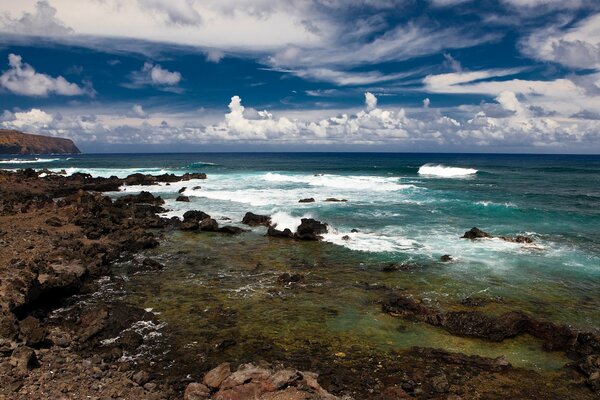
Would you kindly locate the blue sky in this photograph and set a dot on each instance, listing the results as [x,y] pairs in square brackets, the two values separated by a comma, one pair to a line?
[325,75]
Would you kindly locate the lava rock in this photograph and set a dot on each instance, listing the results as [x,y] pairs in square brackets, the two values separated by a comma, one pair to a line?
[183,198]
[307,200]
[310,229]
[475,233]
[252,219]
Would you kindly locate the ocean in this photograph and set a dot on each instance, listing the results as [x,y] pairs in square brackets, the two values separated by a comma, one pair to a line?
[408,209]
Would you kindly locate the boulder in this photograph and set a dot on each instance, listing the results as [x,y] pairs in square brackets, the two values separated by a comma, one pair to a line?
[32,332]
[446,258]
[208,225]
[23,359]
[217,375]
[307,200]
[183,198]
[286,233]
[475,233]
[310,229]
[195,215]
[181,190]
[334,200]
[252,219]
[196,391]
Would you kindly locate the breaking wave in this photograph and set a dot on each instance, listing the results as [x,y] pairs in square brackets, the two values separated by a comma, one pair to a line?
[445,172]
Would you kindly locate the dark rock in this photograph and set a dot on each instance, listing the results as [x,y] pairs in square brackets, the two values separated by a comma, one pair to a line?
[23,359]
[256,220]
[131,340]
[286,233]
[197,188]
[345,237]
[189,225]
[310,229]
[195,215]
[287,278]
[333,199]
[141,377]
[32,332]
[393,267]
[152,265]
[181,190]
[183,198]
[232,230]
[475,233]
[54,221]
[307,200]
[517,239]
[446,258]
[208,225]
[354,231]
[141,198]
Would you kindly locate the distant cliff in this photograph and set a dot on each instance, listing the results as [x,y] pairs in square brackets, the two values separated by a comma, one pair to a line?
[15,142]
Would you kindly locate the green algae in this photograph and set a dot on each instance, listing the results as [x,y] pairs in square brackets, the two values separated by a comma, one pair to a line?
[222,297]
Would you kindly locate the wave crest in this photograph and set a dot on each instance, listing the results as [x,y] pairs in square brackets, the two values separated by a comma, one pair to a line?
[444,171]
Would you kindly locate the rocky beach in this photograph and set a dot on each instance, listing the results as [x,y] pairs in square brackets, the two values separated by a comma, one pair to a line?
[69,252]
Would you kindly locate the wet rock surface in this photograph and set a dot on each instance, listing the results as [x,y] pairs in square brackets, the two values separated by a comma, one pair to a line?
[476,233]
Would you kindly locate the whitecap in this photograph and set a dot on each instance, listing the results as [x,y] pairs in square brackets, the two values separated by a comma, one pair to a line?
[30,160]
[353,182]
[444,171]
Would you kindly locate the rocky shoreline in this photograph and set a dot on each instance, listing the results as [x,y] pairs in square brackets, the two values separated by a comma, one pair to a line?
[59,234]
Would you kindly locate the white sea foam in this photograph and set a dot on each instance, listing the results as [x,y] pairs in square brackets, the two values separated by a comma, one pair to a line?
[445,172]
[31,160]
[352,182]
[118,172]
[493,204]
[199,163]
[370,241]
[283,220]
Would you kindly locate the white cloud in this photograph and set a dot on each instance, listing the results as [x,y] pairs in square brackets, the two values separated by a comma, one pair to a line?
[576,47]
[426,102]
[22,79]
[507,123]
[370,101]
[40,21]
[137,111]
[155,75]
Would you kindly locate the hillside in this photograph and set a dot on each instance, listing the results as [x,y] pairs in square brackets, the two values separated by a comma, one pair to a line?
[15,142]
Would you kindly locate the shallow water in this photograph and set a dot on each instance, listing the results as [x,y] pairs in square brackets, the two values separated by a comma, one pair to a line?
[211,295]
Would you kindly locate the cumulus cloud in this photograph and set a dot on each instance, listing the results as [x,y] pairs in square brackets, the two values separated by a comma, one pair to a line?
[154,75]
[23,79]
[41,22]
[137,111]
[506,122]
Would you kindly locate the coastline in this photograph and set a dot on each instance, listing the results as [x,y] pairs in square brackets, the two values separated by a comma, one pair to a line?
[62,238]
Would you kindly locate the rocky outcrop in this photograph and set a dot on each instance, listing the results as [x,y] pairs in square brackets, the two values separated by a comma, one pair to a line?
[250,381]
[309,229]
[476,233]
[15,142]
[578,345]
[252,219]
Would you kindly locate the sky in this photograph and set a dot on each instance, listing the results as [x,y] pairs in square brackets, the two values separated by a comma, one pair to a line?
[509,76]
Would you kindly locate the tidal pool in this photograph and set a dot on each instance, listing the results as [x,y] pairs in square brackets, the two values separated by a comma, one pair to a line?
[224,299]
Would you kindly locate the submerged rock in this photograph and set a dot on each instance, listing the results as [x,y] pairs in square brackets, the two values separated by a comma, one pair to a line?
[232,230]
[446,258]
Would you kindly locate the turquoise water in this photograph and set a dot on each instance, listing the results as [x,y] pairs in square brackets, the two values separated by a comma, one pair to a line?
[410,208]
